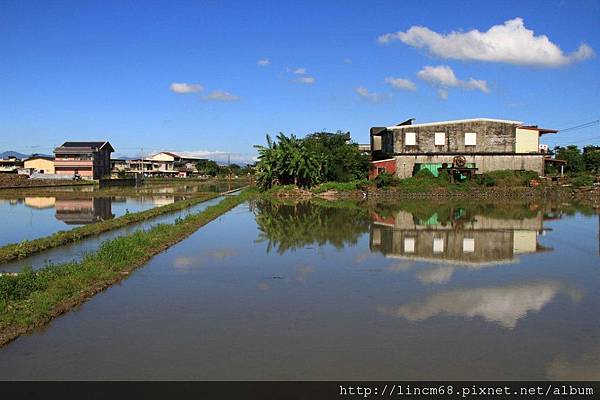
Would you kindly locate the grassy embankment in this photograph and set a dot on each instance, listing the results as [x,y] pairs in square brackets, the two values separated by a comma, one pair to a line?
[517,183]
[28,247]
[32,298]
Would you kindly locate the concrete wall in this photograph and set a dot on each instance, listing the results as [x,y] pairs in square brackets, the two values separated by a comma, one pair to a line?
[527,141]
[498,137]
[535,162]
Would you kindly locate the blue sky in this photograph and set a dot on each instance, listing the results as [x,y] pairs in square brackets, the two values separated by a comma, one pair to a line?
[87,70]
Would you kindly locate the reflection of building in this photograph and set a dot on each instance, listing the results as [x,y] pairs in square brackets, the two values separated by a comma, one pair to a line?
[87,159]
[83,211]
[40,202]
[478,240]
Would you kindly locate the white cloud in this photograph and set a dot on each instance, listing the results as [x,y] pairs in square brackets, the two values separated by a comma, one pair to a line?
[220,95]
[307,80]
[347,60]
[510,43]
[184,88]
[366,94]
[443,77]
[300,71]
[401,83]
[221,156]
[263,62]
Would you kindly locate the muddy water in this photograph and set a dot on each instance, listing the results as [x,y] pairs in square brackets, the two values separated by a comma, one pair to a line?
[417,291]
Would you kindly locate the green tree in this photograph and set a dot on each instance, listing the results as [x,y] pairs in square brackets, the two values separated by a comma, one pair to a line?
[287,161]
[591,158]
[572,156]
[208,167]
[341,161]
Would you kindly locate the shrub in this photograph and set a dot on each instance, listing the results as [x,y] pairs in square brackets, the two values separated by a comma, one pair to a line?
[20,286]
[507,177]
[424,174]
[582,180]
[360,184]
[385,179]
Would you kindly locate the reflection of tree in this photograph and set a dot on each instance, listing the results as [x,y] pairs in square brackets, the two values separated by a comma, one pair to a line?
[291,226]
[450,211]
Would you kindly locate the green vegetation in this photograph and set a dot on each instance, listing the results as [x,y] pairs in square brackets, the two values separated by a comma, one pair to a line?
[211,168]
[320,157]
[359,184]
[578,161]
[582,180]
[425,181]
[507,178]
[288,227]
[28,247]
[31,299]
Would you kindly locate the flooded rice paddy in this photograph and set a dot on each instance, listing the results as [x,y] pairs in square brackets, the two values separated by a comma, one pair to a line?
[32,217]
[415,290]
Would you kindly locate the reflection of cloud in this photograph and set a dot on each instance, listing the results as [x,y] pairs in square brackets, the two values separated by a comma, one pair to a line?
[503,305]
[303,272]
[182,262]
[222,254]
[584,368]
[362,257]
[400,266]
[436,275]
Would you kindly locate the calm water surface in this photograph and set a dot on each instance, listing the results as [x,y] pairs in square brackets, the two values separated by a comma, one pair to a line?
[305,291]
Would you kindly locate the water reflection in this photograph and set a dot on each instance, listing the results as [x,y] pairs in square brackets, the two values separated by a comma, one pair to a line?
[504,305]
[83,211]
[31,217]
[474,237]
[288,227]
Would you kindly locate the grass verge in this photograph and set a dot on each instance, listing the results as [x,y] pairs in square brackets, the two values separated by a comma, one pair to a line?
[29,247]
[33,298]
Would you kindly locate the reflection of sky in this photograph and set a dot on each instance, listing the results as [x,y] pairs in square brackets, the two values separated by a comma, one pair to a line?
[313,314]
[29,220]
[503,305]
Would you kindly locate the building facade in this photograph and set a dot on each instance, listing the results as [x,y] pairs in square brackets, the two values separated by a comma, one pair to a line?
[165,163]
[485,144]
[40,164]
[90,160]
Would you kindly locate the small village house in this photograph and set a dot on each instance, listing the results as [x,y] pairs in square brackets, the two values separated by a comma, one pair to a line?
[483,144]
[90,160]
[10,165]
[165,163]
[40,164]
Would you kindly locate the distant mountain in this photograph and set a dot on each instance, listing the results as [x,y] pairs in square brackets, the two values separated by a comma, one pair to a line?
[11,153]
[20,156]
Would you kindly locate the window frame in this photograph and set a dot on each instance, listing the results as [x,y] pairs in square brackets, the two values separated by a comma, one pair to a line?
[443,138]
[472,135]
[413,136]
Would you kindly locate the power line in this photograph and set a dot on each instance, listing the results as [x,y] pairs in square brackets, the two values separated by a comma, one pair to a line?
[582,126]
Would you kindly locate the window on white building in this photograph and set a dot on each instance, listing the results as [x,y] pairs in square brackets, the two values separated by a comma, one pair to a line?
[470,139]
[440,138]
[410,138]
[468,245]
[409,245]
[438,245]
